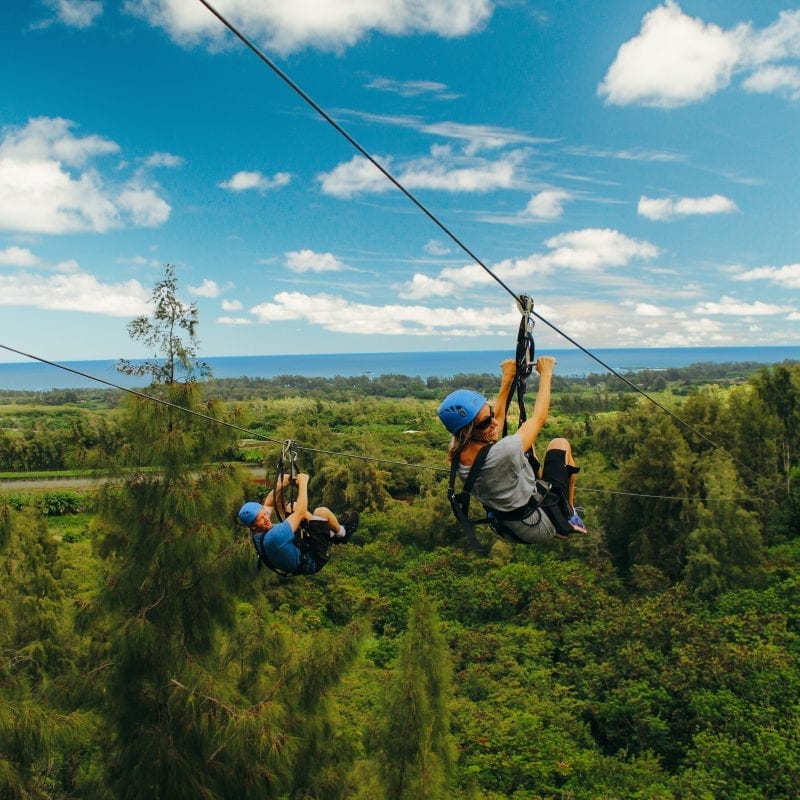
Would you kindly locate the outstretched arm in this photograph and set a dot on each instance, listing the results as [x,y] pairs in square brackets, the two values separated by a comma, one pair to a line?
[270,500]
[509,368]
[530,429]
[300,506]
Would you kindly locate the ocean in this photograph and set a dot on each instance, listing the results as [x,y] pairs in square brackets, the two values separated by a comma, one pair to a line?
[35,376]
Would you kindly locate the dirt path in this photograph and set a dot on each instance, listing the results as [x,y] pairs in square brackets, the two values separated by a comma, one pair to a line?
[75,483]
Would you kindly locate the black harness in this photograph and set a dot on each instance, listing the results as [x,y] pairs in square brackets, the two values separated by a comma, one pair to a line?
[459,502]
[313,541]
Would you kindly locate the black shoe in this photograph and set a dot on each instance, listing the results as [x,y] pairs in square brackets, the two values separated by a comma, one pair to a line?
[350,522]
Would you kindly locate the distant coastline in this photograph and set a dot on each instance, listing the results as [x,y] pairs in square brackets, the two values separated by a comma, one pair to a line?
[35,376]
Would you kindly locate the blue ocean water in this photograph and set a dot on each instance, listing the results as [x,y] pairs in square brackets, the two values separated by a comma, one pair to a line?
[36,376]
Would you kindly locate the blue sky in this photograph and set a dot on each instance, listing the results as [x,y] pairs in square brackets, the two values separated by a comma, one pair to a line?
[631,165]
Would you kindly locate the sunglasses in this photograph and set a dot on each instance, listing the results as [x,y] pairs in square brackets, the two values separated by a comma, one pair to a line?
[484,423]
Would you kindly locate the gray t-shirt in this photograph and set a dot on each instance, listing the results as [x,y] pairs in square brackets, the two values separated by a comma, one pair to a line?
[507,482]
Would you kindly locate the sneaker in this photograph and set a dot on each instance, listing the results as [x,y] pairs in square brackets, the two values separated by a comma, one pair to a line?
[350,522]
[576,521]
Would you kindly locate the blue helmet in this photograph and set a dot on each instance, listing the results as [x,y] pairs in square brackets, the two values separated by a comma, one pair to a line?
[248,513]
[459,408]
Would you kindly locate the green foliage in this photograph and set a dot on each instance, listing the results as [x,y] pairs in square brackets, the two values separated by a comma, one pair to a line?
[141,657]
[41,729]
[418,750]
[725,551]
[174,357]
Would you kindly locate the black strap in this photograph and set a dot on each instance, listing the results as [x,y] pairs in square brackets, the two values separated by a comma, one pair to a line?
[262,559]
[525,356]
[288,457]
[459,501]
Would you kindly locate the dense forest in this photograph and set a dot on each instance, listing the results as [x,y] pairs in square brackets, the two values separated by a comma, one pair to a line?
[144,656]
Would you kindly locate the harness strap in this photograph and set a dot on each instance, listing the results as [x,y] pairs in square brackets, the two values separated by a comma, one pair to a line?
[459,502]
[287,455]
[525,356]
[262,560]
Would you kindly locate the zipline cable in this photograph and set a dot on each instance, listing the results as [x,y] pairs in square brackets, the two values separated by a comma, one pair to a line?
[388,175]
[208,417]
[364,152]
[255,435]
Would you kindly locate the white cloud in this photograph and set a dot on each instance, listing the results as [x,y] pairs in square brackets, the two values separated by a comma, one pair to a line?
[40,194]
[596,248]
[439,172]
[665,156]
[733,307]
[788,276]
[648,310]
[245,180]
[475,136]
[234,321]
[73,13]
[422,286]
[482,178]
[75,291]
[18,257]
[39,197]
[207,288]
[309,261]
[146,208]
[412,88]
[547,204]
[587,250]
[667,208]
[231,305]
[357,176]
[479,137]
[68,266]
[434,248]
[164,160]
[775,80]
[343,316]
[676,59]
[288,27]
[51,139]
[138,261]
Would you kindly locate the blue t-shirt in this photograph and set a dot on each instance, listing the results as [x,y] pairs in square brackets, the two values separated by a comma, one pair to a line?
[280,550]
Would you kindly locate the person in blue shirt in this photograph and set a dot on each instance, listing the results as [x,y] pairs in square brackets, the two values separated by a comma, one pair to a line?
[280,546]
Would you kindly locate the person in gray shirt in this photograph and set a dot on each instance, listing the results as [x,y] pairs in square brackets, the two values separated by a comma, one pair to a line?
[507,479]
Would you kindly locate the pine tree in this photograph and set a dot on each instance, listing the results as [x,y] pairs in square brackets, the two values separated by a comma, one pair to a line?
[725,551]
[779,389]
[325,750]
[178,727]
[170,335]
[652,530]
[419,753]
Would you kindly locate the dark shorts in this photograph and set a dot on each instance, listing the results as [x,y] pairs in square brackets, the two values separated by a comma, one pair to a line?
[555,469]
[557,472]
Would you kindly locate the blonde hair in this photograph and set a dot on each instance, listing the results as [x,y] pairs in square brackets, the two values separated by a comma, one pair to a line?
[458,442]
